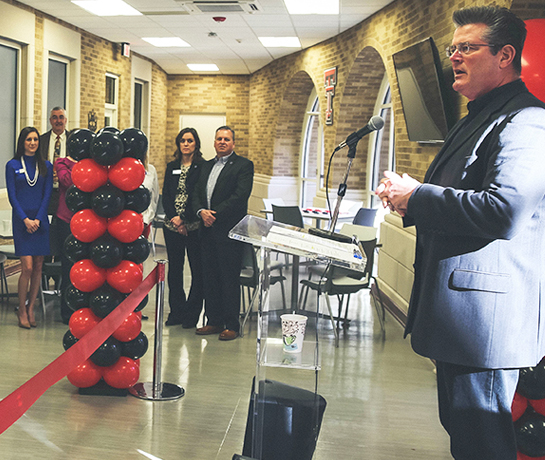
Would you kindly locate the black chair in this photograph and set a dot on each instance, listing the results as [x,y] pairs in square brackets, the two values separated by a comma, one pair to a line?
[342,282]
[249,279]
[289,215]
[365,216]
[3,278]
[158,222]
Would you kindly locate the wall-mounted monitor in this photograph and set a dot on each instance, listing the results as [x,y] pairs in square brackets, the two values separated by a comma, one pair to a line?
[423,92]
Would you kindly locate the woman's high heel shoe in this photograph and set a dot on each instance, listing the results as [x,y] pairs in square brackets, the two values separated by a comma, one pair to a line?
[31,317]
[23,322]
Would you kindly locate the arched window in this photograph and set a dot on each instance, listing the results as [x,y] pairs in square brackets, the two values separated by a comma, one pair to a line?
[382,154]
[311,168]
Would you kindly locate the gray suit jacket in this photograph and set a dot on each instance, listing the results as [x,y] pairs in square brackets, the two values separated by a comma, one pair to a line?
[479,291]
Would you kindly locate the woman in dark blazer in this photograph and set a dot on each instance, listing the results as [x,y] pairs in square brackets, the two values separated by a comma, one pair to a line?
[181,230]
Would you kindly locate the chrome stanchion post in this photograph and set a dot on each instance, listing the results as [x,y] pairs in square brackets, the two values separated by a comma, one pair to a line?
[157,390]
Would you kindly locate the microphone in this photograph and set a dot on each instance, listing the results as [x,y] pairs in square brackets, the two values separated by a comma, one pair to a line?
[375,123]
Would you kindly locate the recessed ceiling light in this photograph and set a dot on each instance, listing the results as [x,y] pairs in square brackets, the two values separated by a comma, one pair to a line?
[166,42]
[203,67]
[280,42]
[312,6]
[107,7]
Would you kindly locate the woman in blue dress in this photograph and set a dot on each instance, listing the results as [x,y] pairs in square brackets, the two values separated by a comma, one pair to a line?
[29,180]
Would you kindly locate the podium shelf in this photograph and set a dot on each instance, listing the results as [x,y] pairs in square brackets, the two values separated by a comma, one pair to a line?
[273,355]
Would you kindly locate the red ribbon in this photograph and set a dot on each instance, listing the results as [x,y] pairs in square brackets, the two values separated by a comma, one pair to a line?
[12,407]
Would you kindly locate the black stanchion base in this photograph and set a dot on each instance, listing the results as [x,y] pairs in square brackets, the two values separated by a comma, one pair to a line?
[103,389]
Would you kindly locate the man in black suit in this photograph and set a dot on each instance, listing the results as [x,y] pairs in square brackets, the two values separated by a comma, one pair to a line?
[53,146]
[221,200]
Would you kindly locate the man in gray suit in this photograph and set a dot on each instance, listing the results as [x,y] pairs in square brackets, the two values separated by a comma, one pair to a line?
[479,288]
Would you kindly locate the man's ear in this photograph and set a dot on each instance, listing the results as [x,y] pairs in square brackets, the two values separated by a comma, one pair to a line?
[507,55]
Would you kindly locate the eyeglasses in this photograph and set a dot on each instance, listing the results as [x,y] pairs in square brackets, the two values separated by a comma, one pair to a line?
[464,48]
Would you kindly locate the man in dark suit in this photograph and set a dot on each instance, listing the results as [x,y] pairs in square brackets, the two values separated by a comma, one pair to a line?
[221,201]
[53,146]
[478,296]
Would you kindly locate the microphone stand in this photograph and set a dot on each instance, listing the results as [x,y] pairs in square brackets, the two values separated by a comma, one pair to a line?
[352,144]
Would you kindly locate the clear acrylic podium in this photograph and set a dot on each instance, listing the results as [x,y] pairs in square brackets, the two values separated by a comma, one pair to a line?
[269,235]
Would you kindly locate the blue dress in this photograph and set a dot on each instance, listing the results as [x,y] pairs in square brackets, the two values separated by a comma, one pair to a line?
[31,202]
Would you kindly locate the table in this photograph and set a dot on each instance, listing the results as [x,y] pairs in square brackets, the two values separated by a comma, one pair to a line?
[319,215]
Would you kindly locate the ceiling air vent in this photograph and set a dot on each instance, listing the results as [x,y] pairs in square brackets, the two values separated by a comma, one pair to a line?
[221,7]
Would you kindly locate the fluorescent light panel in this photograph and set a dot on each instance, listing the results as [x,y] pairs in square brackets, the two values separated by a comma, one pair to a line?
[312,6]
[203,67]
[280,42]
[107,7]
[166,42]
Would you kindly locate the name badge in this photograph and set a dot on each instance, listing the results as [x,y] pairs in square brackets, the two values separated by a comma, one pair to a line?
[176,171]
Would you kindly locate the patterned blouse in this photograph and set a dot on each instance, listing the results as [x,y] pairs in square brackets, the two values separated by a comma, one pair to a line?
[180,202]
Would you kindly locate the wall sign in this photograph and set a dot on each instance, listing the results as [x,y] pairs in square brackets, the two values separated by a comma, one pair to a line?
[330,80]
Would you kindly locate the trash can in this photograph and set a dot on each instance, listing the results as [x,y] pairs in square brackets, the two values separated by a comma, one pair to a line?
[292,418]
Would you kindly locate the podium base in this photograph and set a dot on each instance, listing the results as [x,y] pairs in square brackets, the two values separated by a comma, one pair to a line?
[163,392]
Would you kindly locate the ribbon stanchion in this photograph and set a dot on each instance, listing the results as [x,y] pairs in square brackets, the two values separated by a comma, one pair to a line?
[13,406]
[157,390]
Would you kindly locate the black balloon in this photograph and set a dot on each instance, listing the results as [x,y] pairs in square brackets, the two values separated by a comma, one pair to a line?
[106,251]
[135,143]
[75,299]
[76,199]
[108,201]
[75,249]
[109,129]
[530,434]
[107,148]
[104,300]
[136,348]
[78,144]
[137,251]
[532,381]
[108,353]
[138,200]
[68,340]
[142,304]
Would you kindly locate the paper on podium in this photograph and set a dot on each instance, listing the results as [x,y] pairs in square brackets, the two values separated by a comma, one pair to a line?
[348,252]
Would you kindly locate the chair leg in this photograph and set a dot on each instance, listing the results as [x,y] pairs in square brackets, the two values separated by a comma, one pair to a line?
[346,321]
[381,314]
[335,332]
[248,311]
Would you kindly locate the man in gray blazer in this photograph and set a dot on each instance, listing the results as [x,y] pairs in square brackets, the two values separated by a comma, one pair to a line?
[479,290]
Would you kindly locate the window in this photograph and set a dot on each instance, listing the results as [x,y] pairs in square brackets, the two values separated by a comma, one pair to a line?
[312,173]
[382,151]
[138,94]
[110,107]
[57,84]
[9,73]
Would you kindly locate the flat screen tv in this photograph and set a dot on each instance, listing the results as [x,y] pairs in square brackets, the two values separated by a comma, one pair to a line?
[423,92]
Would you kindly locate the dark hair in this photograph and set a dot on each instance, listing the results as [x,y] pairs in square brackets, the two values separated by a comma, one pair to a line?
[503,28]
[228,129]
[20,152]
[197,155]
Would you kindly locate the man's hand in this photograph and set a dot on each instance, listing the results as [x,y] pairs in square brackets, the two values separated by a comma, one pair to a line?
[208,217]
[395,191]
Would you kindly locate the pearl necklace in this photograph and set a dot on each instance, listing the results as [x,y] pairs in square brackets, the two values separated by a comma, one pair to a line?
[30,182]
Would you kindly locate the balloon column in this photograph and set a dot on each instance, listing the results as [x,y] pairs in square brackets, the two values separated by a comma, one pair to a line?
[533,59]
[528,412]
[107,249]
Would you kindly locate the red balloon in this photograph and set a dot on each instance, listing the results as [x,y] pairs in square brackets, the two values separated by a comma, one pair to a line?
[123,374]
[129,329]
[538,405]
[87,226]
[86,276]
[82,321]
[85,375]
[88,175]
[126,227]
[520,403]
[521,456]
[533,58]
[127,174]
[125,277]
[138,313]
